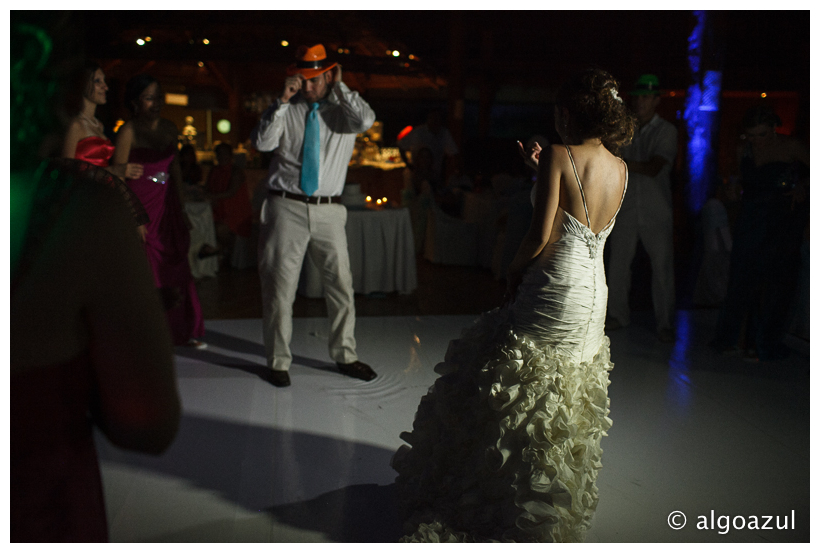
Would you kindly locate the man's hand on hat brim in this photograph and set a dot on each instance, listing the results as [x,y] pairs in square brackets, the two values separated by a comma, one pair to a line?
[293,84]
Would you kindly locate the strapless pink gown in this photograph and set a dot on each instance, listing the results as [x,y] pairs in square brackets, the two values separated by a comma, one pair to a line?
[167,241]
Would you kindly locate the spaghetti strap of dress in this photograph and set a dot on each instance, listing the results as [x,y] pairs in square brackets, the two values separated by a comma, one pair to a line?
[581,188]
[583,197]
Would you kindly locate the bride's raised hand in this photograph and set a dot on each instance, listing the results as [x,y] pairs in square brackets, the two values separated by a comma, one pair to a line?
[531,156]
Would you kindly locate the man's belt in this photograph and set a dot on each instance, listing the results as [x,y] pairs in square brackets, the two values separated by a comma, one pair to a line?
[316,200]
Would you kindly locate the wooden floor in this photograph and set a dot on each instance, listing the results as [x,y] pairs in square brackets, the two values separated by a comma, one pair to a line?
[442,290]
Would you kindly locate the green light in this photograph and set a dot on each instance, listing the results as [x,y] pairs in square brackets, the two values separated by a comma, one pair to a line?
[21,198]
[223,126]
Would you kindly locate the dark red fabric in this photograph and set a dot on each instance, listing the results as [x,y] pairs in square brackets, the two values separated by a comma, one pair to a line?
[95,150]
[55,484]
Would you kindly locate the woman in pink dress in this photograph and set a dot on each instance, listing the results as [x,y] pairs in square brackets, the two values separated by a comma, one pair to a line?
[151,141]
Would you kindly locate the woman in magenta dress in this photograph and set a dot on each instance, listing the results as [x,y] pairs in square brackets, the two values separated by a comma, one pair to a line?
[86,141]
[151,141]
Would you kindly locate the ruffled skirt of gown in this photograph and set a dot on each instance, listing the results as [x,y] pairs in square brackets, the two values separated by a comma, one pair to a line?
[506,444]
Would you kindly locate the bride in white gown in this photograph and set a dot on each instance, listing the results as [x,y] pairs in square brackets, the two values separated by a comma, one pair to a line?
[506,443]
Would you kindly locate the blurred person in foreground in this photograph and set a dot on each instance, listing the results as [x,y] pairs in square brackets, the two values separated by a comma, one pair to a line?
[89,342]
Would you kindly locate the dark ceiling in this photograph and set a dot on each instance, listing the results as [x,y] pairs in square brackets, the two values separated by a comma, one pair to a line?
[764,50]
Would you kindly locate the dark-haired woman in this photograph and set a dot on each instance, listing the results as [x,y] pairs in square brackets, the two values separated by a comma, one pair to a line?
[506,444]
[86,141]
[151,141]
[765,260]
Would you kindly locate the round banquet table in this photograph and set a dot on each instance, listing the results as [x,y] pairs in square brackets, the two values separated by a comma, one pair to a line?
[382,254]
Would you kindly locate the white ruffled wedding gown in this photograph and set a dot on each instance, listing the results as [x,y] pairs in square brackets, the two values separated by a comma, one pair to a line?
[506,443]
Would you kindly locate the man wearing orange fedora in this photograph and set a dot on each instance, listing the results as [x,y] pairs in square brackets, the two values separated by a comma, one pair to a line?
[646,214]
[311,129]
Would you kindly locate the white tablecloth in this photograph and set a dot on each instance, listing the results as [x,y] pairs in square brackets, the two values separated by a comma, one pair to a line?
[382,254]
[202,233]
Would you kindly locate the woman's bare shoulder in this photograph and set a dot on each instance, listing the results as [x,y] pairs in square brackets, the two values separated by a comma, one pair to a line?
[127,129]
[76,125]
[558,155]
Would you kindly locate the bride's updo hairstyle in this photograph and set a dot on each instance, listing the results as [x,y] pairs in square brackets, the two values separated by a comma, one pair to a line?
[596,110]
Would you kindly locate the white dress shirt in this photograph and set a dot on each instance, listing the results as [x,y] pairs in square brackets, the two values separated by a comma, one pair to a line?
[439,143]
[342,115]
[648,199]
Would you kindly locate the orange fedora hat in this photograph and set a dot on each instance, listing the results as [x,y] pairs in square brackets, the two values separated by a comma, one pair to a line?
[310,62]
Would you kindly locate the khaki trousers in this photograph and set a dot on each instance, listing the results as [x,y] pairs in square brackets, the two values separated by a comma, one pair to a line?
[288,230]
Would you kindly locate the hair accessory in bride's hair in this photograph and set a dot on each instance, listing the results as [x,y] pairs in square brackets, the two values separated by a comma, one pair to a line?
[614,93]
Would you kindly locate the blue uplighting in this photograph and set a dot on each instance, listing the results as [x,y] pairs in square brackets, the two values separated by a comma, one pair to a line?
[701,111]
[679,386]
[678,360]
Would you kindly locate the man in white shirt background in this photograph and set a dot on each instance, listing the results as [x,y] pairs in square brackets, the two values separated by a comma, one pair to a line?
[646,214]
[434,136]
[311,129]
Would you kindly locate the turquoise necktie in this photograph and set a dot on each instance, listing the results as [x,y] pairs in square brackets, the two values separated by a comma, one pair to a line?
[309,181]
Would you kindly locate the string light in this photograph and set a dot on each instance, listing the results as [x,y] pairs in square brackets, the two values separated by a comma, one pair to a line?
[284,43]
[411,56]
[148,39]
[201,64]
[140,42]
[205,41]
[763,95]
[396,53]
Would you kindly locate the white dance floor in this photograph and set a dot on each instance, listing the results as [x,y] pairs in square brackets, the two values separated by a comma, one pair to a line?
[694,432]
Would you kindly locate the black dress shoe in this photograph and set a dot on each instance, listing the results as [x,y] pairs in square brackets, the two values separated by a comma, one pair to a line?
[280,379]
[357,369]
